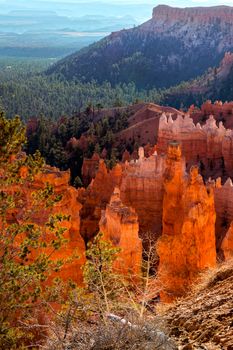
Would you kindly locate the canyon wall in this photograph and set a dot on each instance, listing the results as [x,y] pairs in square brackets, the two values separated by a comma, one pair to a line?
[142,189]
[90,168]
[227,244]
[119,225]
[210,145]
[68,205]
[95,198]
[221,111]
[38,212]
[187,244]
[223,198]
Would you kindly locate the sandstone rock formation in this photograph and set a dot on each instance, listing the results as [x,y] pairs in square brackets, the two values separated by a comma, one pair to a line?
[166,14]
[70,206]
[227,244]
[90,168]
[209,145]
[221,111]
[39,214]
[95,198]
[119,225]
[223,198]
[142,189]
[187,244]
[144,123]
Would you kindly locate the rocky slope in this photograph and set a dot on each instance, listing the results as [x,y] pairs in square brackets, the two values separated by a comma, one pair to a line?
[174,45]
[214,84]
[204,319]
[187,245]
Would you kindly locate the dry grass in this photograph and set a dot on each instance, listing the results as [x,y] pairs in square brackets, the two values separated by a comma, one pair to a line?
[205,317]
[133,335]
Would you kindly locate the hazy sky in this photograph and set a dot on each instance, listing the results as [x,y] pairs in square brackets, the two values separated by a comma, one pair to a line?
[152,2]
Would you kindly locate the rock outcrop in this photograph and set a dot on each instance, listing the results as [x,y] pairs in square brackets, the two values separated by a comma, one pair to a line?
[96,197]
[69,206]
[119,225]
[142,189]
[39,214]
[90,168]
[223,198]
[210,145]
[187,244]
[198,15]
[221,111]
[227,244]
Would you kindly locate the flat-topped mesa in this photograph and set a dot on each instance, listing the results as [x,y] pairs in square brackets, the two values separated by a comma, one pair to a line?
[210,145]
[119,225]
[204,15]
[142,189]
[187,244]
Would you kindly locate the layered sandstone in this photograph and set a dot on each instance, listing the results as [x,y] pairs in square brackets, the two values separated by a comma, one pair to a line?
[39,214]
[221,111]
[96,197]
[90,168]
[227,244]
[201,15]
[210,145]
[69,206]
[187,244]
[142,189]
[144,124]
[223,198]
[119,225]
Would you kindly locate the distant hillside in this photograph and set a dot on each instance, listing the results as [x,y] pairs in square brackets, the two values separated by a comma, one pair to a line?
[175,45]
[215,84]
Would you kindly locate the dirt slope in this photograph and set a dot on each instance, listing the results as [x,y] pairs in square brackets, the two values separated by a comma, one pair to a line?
[204,320]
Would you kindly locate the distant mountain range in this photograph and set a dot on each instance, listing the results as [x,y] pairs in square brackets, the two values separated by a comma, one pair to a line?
[174,45]
[46,34]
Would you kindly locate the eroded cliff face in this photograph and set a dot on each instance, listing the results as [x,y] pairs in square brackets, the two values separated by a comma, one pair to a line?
[96,197]
[223,197]
[227,244]
[39,214]
[119,225]
[142,189]
[210,146]
[70,206]
[187,244]
[199,14]
[90,168]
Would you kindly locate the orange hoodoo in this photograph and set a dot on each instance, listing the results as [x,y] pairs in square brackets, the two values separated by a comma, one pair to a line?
[187,244]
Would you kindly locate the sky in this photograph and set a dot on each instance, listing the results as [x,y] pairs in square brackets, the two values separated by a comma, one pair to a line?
[152,2]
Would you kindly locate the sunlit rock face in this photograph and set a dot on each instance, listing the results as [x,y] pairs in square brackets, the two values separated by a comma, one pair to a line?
[69,206]
[39,214]
[210,145]
[95,198]
[142,189]
[187,244]
[119,225]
